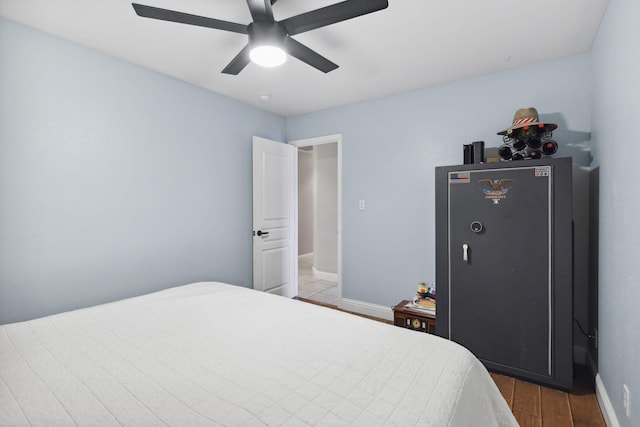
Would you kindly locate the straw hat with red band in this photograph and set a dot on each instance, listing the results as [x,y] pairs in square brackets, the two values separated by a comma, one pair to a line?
[527,117]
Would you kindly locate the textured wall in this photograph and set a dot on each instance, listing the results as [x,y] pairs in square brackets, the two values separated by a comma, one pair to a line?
[326,236]
[305,201]
[615,112]
[392,145]
[390,149]
[115,180]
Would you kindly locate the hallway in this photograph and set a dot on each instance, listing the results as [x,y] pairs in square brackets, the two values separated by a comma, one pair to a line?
[311,288]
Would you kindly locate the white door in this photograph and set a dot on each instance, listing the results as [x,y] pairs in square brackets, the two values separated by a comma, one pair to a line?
[274,217]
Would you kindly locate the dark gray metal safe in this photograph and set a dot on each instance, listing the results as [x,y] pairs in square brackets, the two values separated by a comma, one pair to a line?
[504,265]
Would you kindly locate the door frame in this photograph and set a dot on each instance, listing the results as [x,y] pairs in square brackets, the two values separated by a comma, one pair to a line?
[320,140]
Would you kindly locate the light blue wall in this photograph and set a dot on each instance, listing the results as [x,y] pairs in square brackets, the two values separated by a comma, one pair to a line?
[615,123]
[325,245]
[392,145]
[114,180]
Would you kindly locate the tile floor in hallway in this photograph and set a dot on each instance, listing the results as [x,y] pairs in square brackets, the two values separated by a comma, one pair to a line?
[311,288]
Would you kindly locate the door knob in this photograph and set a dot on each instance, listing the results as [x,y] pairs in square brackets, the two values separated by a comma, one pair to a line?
[263,233]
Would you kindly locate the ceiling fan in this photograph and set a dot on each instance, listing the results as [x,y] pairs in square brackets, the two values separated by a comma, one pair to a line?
[268,36]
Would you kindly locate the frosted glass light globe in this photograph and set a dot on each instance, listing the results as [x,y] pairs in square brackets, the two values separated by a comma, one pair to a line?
[268,56]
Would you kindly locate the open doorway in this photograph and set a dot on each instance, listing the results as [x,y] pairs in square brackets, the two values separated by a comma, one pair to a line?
[319,234]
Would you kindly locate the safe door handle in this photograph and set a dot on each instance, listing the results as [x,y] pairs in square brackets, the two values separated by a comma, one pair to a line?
[465,252]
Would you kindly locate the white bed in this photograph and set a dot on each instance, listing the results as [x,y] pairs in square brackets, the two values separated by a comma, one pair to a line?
[217,354]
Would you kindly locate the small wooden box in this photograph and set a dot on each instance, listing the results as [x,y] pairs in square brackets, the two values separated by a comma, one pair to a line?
[415,319]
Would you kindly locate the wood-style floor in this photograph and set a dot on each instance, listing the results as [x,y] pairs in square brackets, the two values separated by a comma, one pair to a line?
[537,406]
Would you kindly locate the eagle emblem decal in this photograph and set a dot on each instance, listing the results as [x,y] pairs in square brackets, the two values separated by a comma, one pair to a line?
[495,189]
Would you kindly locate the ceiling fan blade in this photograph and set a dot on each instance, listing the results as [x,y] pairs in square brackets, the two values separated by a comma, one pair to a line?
[238,63]
[186,18]
[331,14]
[311,57]
[261,10]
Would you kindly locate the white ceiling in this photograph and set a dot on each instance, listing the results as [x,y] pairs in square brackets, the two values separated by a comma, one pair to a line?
[412,44]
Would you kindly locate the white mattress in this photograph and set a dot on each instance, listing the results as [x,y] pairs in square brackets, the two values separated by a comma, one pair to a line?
[215,354]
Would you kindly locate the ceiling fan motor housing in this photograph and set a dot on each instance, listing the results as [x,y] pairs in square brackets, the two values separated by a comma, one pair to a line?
[266,33]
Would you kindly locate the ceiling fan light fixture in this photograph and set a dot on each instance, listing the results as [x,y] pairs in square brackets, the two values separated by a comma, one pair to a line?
[269,40]
[268,55]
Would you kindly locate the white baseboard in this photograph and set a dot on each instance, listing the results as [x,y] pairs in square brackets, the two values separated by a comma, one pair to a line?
[320,275]
[606,407]
[379,311]
[323,275]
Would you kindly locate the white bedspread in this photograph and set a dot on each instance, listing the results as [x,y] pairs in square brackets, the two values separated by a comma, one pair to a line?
[215,354]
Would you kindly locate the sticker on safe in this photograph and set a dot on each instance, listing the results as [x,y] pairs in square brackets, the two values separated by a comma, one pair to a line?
[459,177]
[543,171]
[495,189]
